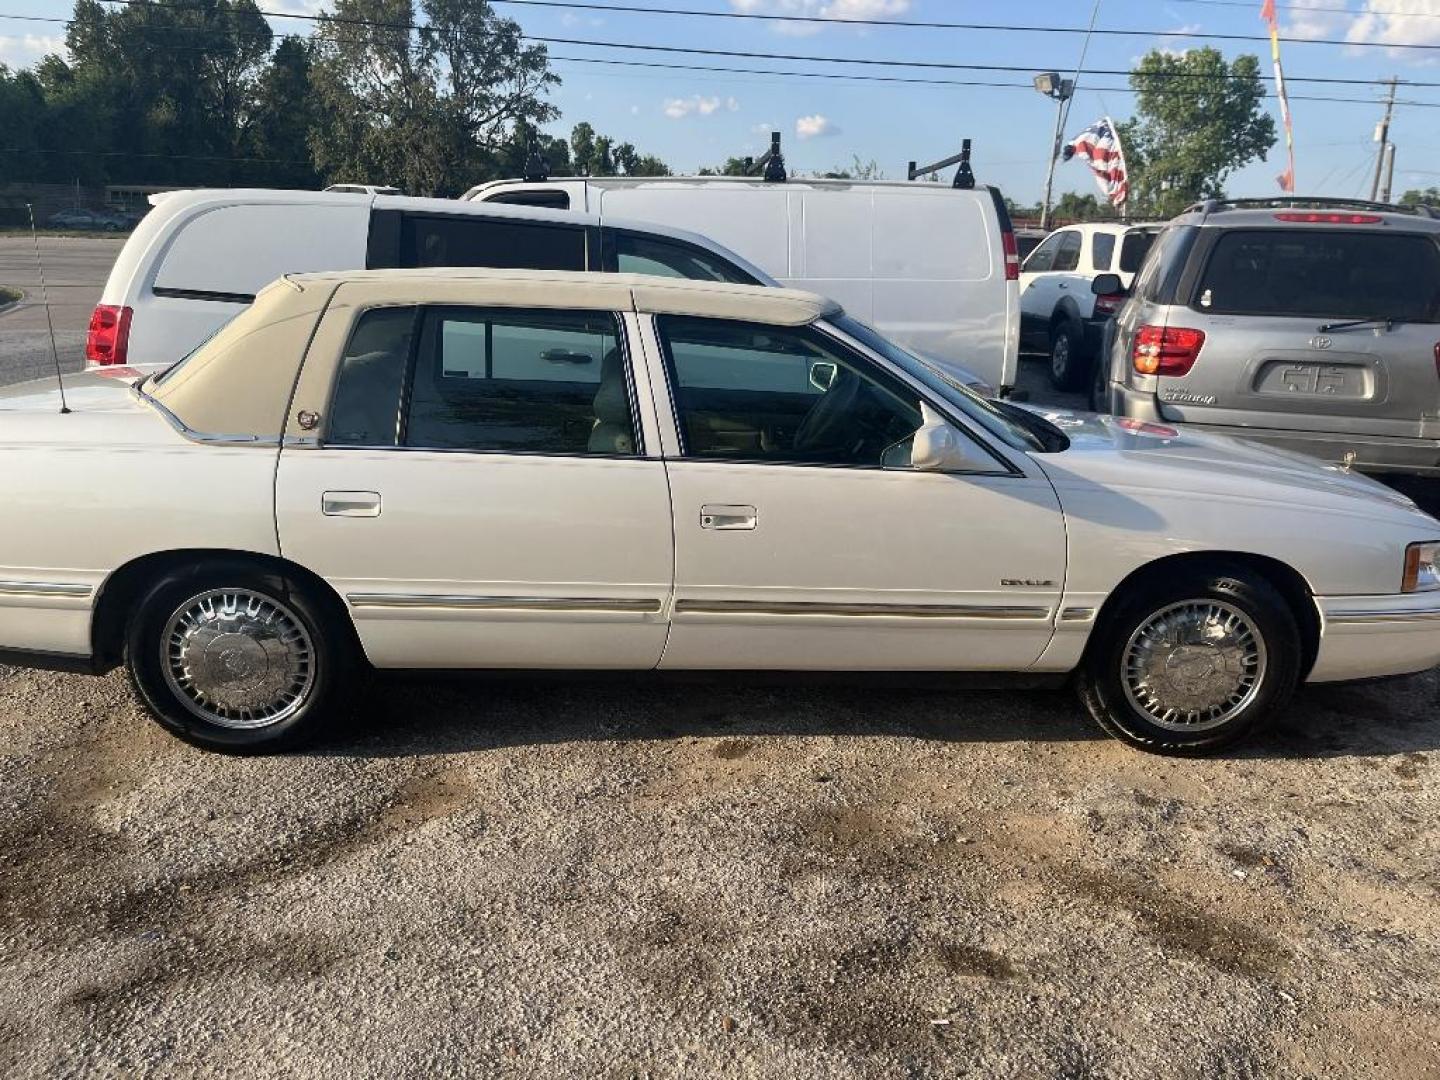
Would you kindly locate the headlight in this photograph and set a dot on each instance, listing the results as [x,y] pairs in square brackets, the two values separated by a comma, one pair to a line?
[1422,568]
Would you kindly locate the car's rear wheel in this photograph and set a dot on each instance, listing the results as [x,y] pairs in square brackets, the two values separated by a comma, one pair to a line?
[1193,663]
[1067,362]
[237,658]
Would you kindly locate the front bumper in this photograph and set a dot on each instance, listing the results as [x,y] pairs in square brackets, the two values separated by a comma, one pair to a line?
[1364,637]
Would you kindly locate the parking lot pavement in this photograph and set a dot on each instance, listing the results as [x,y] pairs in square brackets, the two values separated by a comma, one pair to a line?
[628,879]
[75,270]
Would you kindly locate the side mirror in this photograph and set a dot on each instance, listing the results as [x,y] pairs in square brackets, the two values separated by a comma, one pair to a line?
[939,447]
[1107,285]
[822,374]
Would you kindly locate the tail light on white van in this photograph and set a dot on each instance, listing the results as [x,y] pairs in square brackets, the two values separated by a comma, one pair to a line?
[1166,350]
[1012,255]
[108,339]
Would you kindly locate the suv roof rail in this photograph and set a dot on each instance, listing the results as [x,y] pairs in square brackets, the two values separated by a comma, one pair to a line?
[1300,202]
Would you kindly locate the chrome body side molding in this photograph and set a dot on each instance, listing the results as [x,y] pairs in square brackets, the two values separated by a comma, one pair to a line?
[504,603]
[900,611]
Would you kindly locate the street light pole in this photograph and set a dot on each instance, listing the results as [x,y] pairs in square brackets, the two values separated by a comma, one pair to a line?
[1053,86]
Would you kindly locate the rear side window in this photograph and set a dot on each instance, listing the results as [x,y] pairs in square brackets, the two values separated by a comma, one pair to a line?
[494,242]
[1043,257]
[1102,251]
[1161,268]
[1322,273]
[1134,248]
[365,410]
[635,254]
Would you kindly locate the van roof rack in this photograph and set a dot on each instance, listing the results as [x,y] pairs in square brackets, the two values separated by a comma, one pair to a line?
[964,176]
[771,163]
[1206,207]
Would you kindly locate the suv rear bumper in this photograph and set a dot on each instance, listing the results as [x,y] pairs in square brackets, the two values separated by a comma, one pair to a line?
[1365,637]
[1373,453]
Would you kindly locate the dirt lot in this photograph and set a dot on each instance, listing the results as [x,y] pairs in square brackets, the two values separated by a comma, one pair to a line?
[632,880]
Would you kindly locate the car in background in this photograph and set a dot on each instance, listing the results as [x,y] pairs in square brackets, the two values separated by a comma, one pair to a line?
[88,220]
[445,469]
[931,266]
[1311,325]
[1027,240]
[1059,313]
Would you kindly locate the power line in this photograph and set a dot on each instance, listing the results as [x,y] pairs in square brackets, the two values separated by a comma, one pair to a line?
[794,57]
[922,24]
[1323,10]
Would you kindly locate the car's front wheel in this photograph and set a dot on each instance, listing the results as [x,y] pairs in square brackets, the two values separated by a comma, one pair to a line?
[1067,361]
[1193,663]
[236,658]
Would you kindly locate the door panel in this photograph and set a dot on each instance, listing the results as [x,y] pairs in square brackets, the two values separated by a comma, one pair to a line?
[841,565]
[529,561]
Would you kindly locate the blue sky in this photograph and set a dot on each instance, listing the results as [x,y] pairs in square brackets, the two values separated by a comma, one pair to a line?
[695,118]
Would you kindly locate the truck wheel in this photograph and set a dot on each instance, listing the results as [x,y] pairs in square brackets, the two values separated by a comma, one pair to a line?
[1068,369]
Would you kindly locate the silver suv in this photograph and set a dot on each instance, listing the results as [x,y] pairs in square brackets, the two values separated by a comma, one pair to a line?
[1309,324]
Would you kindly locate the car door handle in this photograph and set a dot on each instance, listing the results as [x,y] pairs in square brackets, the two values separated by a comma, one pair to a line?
[365,504]
[1063,285]
[721,518]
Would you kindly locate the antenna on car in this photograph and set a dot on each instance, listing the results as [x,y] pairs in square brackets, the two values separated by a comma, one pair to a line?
[773,162]
[45,301]
[964,175]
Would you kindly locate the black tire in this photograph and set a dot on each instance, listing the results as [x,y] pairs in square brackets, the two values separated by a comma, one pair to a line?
[318,659]
[1100,385]
[1069,368]
[1102,676]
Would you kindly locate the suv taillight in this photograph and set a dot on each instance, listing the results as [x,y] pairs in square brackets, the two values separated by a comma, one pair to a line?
[1166,350]
[108,339]
[1012,256]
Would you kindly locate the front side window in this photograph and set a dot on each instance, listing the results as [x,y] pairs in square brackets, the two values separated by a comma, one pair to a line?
[1067,255]
[1322,273]
[1102,250]
[635,254]
[472,240]
[751,392]
[486,380]
[1043,257]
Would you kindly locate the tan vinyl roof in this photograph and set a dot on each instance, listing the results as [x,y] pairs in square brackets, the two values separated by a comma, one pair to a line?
[591,289]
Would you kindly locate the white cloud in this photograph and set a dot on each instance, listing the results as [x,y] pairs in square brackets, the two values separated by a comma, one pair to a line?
[824,9]
[697,105]
[19,52]
[1397,22]
[815,127]
[1187,29]
[570,20]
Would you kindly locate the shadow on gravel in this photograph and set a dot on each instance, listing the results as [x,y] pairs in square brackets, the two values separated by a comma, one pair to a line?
[407,715]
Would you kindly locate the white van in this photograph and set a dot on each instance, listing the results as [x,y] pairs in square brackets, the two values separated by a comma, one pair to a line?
[930,266]
[199,257]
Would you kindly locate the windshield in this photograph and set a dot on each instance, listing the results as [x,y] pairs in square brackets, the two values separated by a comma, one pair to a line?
[1013,426]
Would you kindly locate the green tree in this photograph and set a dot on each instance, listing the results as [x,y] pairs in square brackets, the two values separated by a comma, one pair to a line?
[734,166]
[428,109]
[1430,196]
[1073,207]
[1198,119]
[856,170]
[284,116]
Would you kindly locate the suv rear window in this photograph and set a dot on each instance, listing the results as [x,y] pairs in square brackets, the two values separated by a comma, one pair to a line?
[1322,273]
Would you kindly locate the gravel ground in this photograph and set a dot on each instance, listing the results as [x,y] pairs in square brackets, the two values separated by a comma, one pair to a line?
[628,879]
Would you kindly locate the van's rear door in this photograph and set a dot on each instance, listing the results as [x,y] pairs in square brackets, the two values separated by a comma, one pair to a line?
[1311,328]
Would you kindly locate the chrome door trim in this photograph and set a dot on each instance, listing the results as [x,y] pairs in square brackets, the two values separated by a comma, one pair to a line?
[504,603]
[1396,616]
[43,588]
[901,611]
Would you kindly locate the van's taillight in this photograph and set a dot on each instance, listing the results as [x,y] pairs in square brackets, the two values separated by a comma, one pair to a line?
[1166,350]
[108,340]
[1012,255]
[1109,305]
[1331,219]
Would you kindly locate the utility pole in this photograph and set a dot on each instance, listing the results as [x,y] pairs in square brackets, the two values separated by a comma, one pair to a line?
[1053,86]
[1389,172]
[1382,136]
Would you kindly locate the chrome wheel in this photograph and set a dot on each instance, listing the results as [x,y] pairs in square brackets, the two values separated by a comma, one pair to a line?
[1194,665]
[238,659]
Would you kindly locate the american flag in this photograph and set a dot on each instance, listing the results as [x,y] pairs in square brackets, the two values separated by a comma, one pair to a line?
[1099,146]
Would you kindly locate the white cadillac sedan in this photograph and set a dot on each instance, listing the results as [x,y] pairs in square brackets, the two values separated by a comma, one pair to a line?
[518,469]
